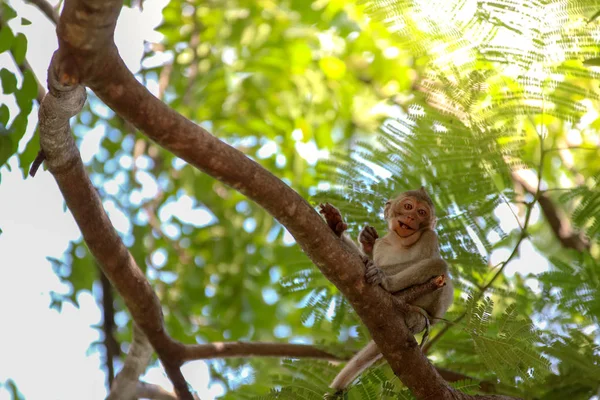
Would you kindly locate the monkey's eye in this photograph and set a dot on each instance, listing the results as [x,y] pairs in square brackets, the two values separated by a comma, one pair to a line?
[422,212]
[408,206]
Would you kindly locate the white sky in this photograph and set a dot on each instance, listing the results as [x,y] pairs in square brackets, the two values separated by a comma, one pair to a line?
[46,352]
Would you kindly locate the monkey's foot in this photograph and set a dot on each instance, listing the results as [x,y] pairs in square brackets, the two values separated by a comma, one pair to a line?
[334,219]
[440,281]
[367,237]
[425,334]
[334,396]
[373,275]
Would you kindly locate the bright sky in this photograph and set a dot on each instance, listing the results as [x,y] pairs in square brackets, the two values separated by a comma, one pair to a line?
[46,352]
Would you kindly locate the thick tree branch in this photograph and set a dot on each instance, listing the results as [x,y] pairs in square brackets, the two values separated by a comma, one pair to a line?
[559,224]
[88,55]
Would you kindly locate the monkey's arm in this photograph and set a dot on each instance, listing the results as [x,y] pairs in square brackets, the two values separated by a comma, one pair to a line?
[418,273]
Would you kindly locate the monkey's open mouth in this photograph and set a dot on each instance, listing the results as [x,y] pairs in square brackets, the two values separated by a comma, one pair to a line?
[404,226]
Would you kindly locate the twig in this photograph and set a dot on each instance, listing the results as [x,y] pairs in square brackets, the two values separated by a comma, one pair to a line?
[46,8]
[560,225]
[108,326]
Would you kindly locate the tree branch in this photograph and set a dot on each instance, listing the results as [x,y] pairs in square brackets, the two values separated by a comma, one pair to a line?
[257,349]
[87,55]
[64,162]
[560,225]
[108,326]
[125,385]
[46,8]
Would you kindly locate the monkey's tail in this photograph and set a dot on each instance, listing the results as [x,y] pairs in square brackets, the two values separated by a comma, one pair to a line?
[361,361]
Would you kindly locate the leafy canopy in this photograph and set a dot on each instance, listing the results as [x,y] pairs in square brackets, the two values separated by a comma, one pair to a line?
[460,96]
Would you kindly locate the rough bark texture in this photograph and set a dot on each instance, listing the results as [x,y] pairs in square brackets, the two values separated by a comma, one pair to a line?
[87,55]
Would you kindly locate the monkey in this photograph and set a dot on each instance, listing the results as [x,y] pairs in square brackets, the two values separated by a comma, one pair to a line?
[407,255]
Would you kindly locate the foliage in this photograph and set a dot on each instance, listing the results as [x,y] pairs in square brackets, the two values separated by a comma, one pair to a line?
[453,95]
[23,88]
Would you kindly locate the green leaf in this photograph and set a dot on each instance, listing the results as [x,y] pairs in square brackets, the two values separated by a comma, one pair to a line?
[8,80]
[592,62]
[19,48]
[596,15]
[4,116]
[18,127]
[6,38]
[7,12]
[333,67]
[29,89]
[25,21]
[6,148]
[28,155]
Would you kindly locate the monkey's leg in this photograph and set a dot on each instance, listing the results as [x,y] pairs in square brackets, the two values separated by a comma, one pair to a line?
[417,326]
[426,334]
[334,219]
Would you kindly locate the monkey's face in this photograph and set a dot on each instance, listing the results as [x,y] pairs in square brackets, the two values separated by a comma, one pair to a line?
[408,215]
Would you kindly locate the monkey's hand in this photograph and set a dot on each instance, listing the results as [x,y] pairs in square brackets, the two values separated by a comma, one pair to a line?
[334,219]
[367,237]
[374,275]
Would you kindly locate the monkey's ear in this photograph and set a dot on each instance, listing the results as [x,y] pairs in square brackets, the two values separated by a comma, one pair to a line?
[386,210]
[433,222]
